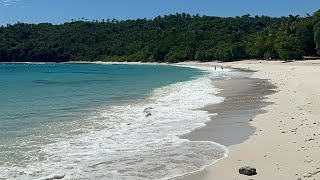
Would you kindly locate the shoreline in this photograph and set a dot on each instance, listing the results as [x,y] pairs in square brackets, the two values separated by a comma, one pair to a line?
[190,64]
[286,141]
[284,144]
[231,124]
[86,62]
[243,100]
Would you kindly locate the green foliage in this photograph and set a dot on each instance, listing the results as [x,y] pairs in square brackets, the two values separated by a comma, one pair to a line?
[317,36]
[288,47]
[304,34]
[206,55]
[171,38]
[230,52]
[262,45]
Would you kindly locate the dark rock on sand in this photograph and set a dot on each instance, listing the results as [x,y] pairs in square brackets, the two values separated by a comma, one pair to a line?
[249,171]
[148,114]
[148,111]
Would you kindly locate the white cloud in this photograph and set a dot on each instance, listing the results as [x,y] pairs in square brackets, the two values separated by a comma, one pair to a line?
[9,2]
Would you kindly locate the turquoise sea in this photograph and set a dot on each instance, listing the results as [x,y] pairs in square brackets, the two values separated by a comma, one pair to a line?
[91,121]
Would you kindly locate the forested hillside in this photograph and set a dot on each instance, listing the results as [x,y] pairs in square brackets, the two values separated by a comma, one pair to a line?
[170,38]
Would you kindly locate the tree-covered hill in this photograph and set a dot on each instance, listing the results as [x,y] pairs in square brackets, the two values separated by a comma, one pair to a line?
[170,38]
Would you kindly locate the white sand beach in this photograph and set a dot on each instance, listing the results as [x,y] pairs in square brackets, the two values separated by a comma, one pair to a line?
[287,139]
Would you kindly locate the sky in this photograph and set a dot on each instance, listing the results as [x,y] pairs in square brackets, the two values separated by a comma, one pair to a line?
[59,11]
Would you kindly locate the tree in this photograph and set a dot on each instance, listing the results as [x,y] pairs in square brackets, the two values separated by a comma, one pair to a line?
[304,34]
[230,52]
[288,47]
[317,36]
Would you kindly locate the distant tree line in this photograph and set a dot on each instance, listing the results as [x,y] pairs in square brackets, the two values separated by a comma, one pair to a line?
[171,38]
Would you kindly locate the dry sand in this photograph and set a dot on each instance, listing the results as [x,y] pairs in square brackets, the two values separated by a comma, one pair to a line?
[286,143]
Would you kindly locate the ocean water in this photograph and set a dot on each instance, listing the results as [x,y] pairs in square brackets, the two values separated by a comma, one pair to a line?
[90,121]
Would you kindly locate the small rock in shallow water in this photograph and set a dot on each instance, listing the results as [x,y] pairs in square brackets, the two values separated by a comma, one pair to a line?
[249,171]
[55,177]
[147,109]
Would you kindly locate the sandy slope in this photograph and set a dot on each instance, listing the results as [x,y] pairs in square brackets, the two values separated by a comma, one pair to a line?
[286,144]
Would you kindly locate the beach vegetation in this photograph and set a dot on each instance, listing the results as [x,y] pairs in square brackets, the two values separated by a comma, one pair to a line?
[169,38]
[288,47]
[317,36]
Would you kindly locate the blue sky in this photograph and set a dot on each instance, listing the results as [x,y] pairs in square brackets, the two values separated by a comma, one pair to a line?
[58,11]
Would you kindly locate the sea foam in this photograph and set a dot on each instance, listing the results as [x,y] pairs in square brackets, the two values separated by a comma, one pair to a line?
[135,141]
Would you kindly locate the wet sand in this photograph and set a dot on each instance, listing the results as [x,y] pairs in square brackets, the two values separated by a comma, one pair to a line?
[244,99]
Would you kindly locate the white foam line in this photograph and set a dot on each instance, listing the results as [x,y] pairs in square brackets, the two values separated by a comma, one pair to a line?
[205,166]
[208,69]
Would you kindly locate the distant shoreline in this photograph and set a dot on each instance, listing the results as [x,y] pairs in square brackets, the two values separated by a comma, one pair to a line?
[191,63]
[83,62]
